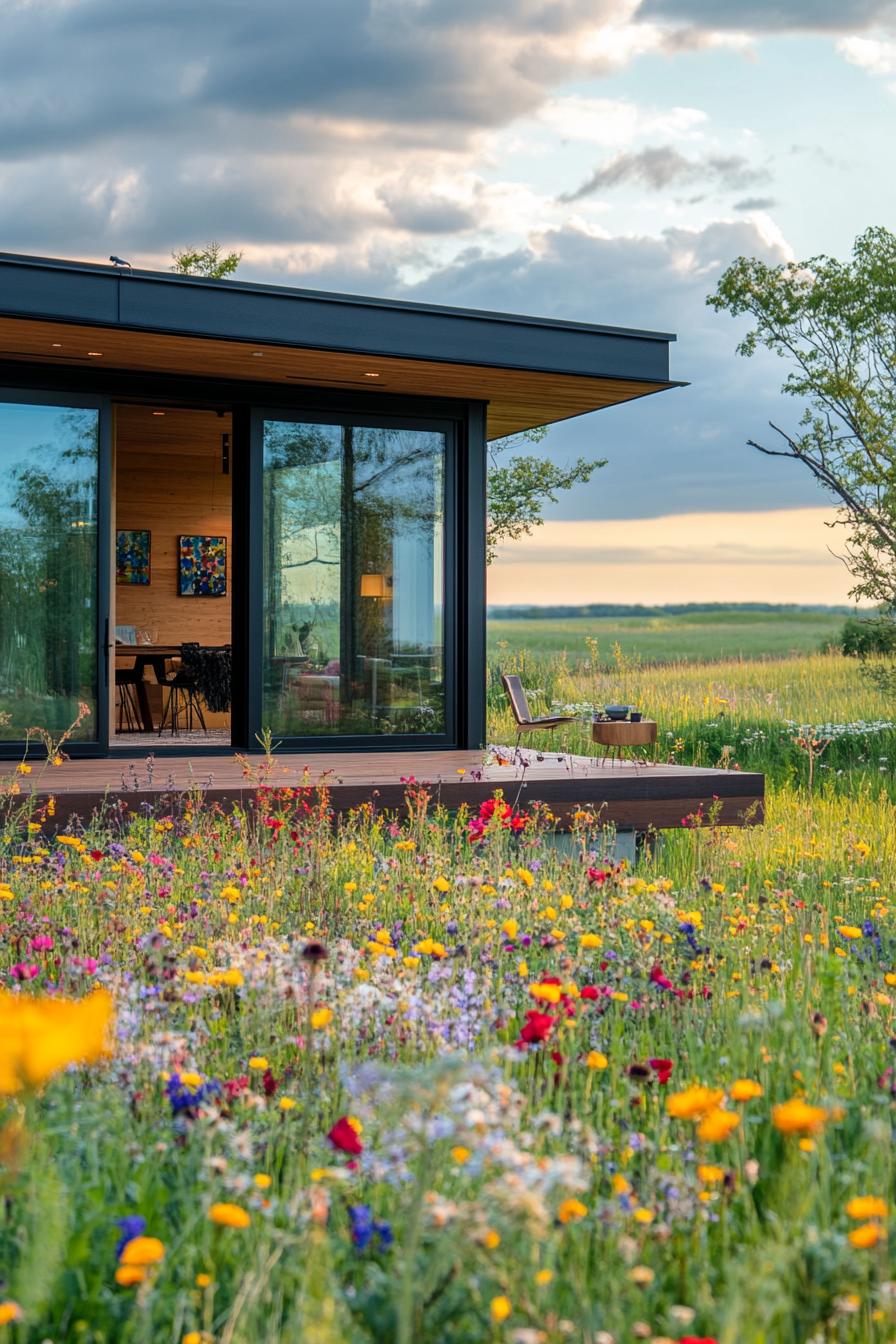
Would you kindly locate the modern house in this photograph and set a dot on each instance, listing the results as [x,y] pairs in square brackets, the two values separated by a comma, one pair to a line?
[290,482]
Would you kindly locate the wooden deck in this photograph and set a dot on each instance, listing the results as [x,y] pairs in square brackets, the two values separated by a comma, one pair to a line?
[631,796]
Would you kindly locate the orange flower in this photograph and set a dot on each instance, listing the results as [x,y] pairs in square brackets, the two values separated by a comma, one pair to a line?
[693,1102]
[745,1089]
[142,1251]
[862,1207]
[866,1235]
[717,1125]
[571,1211]
[797,1117]
[229,1215]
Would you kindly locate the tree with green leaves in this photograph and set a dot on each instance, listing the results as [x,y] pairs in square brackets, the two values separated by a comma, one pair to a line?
[518,488]
[834,323]
[210,261]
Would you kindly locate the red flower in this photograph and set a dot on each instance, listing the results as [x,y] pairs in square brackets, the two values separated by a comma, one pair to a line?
[235,1087]
[269,1083]
[697,1339]
[662,1068]
[658,978]
[598,875]
[537,1029]
[344,1137]
[589,992]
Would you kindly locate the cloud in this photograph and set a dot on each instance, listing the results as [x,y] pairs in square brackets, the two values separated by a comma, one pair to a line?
[839,16]
[755,203]
[684,449]
[661,166]
[876,55]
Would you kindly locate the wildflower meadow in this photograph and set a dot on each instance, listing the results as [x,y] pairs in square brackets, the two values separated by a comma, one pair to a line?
[442,1078]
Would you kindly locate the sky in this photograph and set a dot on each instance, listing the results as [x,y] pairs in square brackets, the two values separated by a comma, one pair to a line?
[599,160]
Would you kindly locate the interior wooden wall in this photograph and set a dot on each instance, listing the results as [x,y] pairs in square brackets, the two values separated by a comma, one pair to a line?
[169,478]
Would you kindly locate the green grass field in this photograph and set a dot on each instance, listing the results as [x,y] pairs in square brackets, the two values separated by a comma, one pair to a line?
[695,637]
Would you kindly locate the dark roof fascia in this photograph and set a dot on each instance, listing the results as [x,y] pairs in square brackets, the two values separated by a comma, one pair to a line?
[93,295]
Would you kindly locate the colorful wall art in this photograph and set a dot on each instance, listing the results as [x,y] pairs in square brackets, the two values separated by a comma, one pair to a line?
[132,550]
[203,567]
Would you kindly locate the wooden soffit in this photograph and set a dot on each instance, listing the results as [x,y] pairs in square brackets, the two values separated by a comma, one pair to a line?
[517,398]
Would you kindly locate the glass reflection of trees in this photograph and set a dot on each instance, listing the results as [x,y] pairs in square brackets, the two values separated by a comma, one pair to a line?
[48,566]
[342,502]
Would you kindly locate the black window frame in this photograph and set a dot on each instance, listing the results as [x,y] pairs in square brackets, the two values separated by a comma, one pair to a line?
[98,745]
[452,429]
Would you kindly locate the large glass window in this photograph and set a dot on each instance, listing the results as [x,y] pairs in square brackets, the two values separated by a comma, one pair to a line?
[48,568]
[353,580]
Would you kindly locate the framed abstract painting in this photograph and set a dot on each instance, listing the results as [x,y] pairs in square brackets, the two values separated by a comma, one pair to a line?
[132,556]
[202,567]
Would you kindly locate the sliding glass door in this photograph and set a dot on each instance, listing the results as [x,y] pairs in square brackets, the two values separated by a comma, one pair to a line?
[53,570]
[353,612]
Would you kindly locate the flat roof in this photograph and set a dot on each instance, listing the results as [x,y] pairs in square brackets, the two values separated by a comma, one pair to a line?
[529,370]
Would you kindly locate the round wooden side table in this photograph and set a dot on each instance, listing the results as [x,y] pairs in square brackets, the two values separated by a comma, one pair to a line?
[620,735]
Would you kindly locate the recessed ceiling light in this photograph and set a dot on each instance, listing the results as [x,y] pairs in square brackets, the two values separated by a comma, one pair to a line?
[57,345]
[158,412]
[257,354]
[371,375]
[94,354]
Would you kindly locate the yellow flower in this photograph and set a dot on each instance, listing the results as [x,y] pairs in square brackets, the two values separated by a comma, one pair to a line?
[260,1062]
[442,884]
[262,1180]
[866,1235]
[595,1059]
[500,1309]
[9,1312]
[460,1155]
[849,931]
[693,1102]
[287,1103]
[717,1125]
[510,928]
[797,1117]
[40,1036]
[571,1211]
[525,876]
[204,1280]
[544,1277]
[142,1251]
[862,1207]
[745,1089]
[429,948]
[197,1337]
[710,1175]
[588,940]
[229,1215]
[492,1240]
[644,1215]
[546,993]
[321,1017]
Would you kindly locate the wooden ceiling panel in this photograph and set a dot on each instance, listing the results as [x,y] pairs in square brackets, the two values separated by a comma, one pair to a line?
[517,398]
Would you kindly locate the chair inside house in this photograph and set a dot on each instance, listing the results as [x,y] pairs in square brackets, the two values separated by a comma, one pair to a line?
[126,681]
[184,697]
[519,703]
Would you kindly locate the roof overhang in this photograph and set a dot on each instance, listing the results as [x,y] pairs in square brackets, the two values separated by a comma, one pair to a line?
[530,371]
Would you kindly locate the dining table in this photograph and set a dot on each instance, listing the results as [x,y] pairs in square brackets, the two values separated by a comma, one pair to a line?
[147,655]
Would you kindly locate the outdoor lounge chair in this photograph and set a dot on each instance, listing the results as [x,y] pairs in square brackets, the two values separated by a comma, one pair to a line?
[520,706]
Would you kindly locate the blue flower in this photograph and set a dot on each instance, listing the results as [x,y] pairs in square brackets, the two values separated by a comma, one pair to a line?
[132,1225]
[184,1098]
[364,1227]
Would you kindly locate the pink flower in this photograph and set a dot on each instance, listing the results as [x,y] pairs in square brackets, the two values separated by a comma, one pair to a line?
[24,970]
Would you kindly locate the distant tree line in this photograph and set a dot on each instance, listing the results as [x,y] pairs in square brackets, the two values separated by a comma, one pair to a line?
[593,609]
